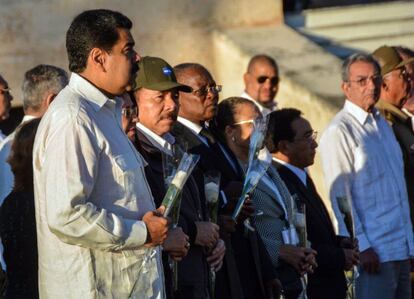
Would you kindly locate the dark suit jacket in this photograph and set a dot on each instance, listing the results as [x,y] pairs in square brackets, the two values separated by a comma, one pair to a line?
[328,280]
[244,255]
[193,270]
[401,125]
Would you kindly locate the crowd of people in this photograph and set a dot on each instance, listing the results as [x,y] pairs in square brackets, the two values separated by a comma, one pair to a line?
[82,179]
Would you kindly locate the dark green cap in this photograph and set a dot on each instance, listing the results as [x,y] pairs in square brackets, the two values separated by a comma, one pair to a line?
[156,74]
[389,59]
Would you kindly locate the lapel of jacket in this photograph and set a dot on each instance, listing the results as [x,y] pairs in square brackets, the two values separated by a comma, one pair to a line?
[311,200]
[267,190]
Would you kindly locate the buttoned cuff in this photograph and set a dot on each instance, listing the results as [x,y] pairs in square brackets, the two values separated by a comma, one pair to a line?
[135,233]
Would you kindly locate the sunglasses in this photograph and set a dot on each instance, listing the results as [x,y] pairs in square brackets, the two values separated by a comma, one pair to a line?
[203,91]
[263,79]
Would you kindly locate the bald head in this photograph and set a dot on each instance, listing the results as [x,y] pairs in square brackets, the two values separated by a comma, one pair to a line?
[262,79]
[201,104]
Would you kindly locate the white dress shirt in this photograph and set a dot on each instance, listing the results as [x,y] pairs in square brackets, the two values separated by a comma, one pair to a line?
[164,143]
[196,128]
[90,194]
[361,157]
[265,111]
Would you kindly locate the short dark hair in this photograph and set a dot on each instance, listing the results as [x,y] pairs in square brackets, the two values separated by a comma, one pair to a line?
[21,158]
[96,28]
[226,112]
[280,127]
[260,58]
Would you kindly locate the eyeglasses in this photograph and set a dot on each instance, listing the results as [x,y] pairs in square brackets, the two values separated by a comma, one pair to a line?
[376,79]
[203,91]
[273,80]
[5,90]
[249,121]
[130,112]
[312,136]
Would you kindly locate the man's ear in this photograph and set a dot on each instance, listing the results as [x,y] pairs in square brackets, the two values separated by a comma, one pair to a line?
[384,85]
[283,146]
[345,87]
[246,78]
[49,98]
[228,131]
[97,57]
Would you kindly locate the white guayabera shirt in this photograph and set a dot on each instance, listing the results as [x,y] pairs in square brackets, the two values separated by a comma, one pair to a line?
[90,194]
[359,152]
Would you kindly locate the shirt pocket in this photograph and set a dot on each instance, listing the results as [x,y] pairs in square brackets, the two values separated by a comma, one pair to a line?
[127,168]
[369,173]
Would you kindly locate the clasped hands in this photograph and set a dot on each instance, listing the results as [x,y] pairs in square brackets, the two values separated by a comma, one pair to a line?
[300,258]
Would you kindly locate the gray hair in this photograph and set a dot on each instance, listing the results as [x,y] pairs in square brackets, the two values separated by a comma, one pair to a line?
[357,57]
[40,81]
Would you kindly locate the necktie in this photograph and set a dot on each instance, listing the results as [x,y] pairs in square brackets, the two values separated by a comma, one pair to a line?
[208,135]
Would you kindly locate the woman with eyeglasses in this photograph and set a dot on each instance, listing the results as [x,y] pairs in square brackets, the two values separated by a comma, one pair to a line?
[234,123]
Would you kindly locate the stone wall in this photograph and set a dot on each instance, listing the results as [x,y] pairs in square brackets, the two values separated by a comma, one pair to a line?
[33,32]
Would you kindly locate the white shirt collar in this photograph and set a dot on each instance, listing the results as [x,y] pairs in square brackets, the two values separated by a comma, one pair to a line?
[92,94]
[27,118]
[196,128]
[265,111]
[162,143]
[360,114]
[300,173]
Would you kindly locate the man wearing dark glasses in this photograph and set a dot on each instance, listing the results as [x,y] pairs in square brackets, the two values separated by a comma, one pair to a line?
[262,82]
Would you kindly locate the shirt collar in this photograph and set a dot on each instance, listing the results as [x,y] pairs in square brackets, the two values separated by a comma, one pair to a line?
[196,128]
[300,173]
[162,143]
[27,118]
[263,110]
[92,94]
[360,114]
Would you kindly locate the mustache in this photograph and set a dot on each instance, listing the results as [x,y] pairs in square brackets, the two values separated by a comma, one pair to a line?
[171,115]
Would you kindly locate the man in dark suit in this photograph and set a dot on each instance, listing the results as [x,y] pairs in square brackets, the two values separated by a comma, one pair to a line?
[157,101]
[292,142]
[246,272]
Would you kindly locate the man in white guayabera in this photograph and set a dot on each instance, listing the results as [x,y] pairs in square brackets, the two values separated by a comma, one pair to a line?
[97,227]
[362,160]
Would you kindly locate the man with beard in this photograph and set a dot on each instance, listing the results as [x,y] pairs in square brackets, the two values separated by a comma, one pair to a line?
[261,82]
[157,101]
[97,228]
[361,158]
[247,271]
